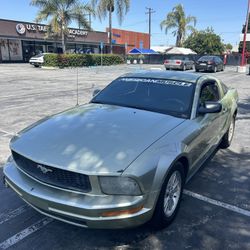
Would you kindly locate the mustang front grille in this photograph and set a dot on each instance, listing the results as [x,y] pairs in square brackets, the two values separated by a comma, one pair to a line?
[53,176]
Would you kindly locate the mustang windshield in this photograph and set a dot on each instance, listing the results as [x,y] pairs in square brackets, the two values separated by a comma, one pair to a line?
[169,97]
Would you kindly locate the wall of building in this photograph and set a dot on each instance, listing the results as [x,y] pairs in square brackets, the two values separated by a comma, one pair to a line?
[131,38]
[21,40]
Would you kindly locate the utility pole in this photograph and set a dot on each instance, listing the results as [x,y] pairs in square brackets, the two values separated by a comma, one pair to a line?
[149,13]
[243,62]
[89,20]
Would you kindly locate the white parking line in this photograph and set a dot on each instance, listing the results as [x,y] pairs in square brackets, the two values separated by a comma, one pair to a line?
[45,221]
[218,203]
[26,232]
[5,217]
[7,133]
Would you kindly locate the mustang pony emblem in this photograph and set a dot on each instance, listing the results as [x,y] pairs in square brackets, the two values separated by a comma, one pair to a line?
[44,169]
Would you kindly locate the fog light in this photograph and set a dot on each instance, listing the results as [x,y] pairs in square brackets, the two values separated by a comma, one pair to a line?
[122,212]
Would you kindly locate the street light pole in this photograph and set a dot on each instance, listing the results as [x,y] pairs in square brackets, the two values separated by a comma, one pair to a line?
[243,61]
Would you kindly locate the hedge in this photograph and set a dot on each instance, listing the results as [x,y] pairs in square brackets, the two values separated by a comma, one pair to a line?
[80,60]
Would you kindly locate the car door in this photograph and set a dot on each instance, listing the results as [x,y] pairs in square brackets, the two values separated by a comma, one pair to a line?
[208,126]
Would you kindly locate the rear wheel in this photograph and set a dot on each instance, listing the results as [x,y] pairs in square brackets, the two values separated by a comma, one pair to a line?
[184,67]
[170,196]
[215,69]
[196,70]
[228,137]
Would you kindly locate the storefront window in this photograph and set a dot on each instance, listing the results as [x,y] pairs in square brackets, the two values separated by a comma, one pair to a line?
[70,48]
[28,50]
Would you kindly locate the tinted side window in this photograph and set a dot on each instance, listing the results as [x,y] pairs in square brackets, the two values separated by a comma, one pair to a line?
[209,92]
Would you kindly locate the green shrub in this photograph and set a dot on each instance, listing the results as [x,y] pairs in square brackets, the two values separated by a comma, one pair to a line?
[51,60]
[80,60]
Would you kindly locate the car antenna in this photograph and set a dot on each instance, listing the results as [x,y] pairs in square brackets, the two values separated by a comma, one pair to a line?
[77,89]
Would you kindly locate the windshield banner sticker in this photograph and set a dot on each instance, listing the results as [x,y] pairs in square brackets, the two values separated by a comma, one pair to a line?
[156,81]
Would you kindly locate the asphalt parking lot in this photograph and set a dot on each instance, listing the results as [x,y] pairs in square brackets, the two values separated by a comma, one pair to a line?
[215,210]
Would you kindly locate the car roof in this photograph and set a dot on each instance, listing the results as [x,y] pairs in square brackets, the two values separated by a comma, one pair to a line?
[170,75]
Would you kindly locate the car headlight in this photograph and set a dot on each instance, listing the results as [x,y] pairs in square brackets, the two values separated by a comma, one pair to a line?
[117,185]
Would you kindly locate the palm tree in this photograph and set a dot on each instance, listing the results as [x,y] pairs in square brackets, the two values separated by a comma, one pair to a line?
[176,19]
[105,7]
[61,13]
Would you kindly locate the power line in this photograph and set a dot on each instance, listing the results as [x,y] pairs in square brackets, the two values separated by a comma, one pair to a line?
[149,13]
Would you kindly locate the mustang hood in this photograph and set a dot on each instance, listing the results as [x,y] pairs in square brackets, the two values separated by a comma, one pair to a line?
[94,138]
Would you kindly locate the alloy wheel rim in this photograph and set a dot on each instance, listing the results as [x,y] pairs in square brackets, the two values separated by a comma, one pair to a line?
[172,193]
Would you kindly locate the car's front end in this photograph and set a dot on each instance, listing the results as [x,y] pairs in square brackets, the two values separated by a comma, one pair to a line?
[68,168]
[37,60]
[90,207]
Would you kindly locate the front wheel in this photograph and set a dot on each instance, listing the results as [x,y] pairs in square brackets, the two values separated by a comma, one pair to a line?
[228,137]
[215,69]
[170,196]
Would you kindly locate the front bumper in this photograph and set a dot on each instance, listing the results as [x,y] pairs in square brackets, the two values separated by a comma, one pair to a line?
[36,63]
[79,209]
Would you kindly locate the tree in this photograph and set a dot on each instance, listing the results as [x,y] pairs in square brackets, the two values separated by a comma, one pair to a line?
[176,19]
[61,14]
[229,46]
[105,7]
[205,42]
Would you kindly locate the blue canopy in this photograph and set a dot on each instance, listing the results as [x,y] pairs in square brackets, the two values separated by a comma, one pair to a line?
[136,51]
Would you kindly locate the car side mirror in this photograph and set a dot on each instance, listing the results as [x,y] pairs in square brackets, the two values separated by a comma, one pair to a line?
[95,92]
[210,107]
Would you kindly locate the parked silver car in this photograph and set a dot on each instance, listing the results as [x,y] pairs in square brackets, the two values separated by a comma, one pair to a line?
[123,159]
[179,62]
[37,60]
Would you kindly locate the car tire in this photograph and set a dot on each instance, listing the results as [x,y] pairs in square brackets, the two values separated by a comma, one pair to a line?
[184,67]
[163,216]
[228,137]
[36,66]
[196,70]
[215,69]
[223,68]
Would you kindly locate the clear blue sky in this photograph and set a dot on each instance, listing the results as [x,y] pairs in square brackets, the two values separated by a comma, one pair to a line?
[225,16]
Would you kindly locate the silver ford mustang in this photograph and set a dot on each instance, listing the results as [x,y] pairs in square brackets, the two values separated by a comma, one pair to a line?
[123,159]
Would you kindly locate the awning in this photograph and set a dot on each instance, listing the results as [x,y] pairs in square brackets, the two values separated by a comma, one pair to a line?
[136,51]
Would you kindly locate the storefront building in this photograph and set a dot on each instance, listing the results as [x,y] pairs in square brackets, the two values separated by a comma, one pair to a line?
[21,40]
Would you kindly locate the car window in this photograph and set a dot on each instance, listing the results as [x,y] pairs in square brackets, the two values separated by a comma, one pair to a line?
[158,95]
[177,57]
[206,58]
[209,92]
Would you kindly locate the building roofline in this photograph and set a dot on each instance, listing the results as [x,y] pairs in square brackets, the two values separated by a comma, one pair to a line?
[128,31]
[18,21]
